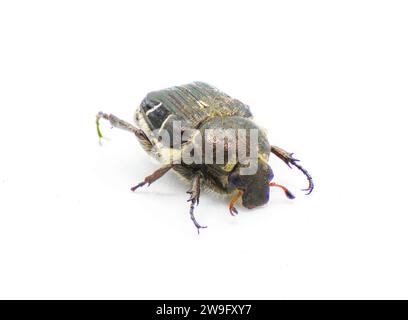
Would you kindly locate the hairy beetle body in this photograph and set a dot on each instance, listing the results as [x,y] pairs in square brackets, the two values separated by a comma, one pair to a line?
[199,110]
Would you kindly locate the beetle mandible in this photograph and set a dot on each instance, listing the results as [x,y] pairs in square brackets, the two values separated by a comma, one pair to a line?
[196,109]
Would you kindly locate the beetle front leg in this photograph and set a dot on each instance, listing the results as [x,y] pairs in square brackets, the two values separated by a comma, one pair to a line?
[195,199]
[287,157]
[234,200]
[153,177]
[287,192]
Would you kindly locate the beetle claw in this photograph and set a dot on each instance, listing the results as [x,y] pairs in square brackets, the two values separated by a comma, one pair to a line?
[233,211]
[199,227]
[310,188]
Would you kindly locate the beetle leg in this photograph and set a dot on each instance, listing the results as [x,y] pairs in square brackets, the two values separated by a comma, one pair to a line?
[195,199]
[234,199]
[195,189]
[121,124]
[287,192]
[154,176]
[287,157]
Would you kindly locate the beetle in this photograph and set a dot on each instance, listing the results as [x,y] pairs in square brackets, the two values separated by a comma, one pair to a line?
[198,108]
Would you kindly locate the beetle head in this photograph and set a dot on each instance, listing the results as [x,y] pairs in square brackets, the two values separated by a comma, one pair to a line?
[255,186]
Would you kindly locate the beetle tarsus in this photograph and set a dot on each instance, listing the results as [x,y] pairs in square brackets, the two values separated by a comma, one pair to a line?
[197,225]
[287,192]
[154,176]
[194,196]
[288,158]
[141,184]
[195,199]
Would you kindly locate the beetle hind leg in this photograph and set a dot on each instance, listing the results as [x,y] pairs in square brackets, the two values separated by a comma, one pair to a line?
[195,199]
[121,124]
[153,177]
[287,157]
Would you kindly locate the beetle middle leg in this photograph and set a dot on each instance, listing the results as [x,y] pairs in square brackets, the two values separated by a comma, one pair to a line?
[287,157]
[195,198]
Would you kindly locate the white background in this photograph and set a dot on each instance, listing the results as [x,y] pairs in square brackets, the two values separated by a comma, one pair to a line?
[328,79]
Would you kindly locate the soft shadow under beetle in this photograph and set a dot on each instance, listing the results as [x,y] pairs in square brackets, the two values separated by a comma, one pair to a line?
[196,110]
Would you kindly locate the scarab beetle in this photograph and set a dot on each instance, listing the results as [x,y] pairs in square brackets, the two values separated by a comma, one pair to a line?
[202,114]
